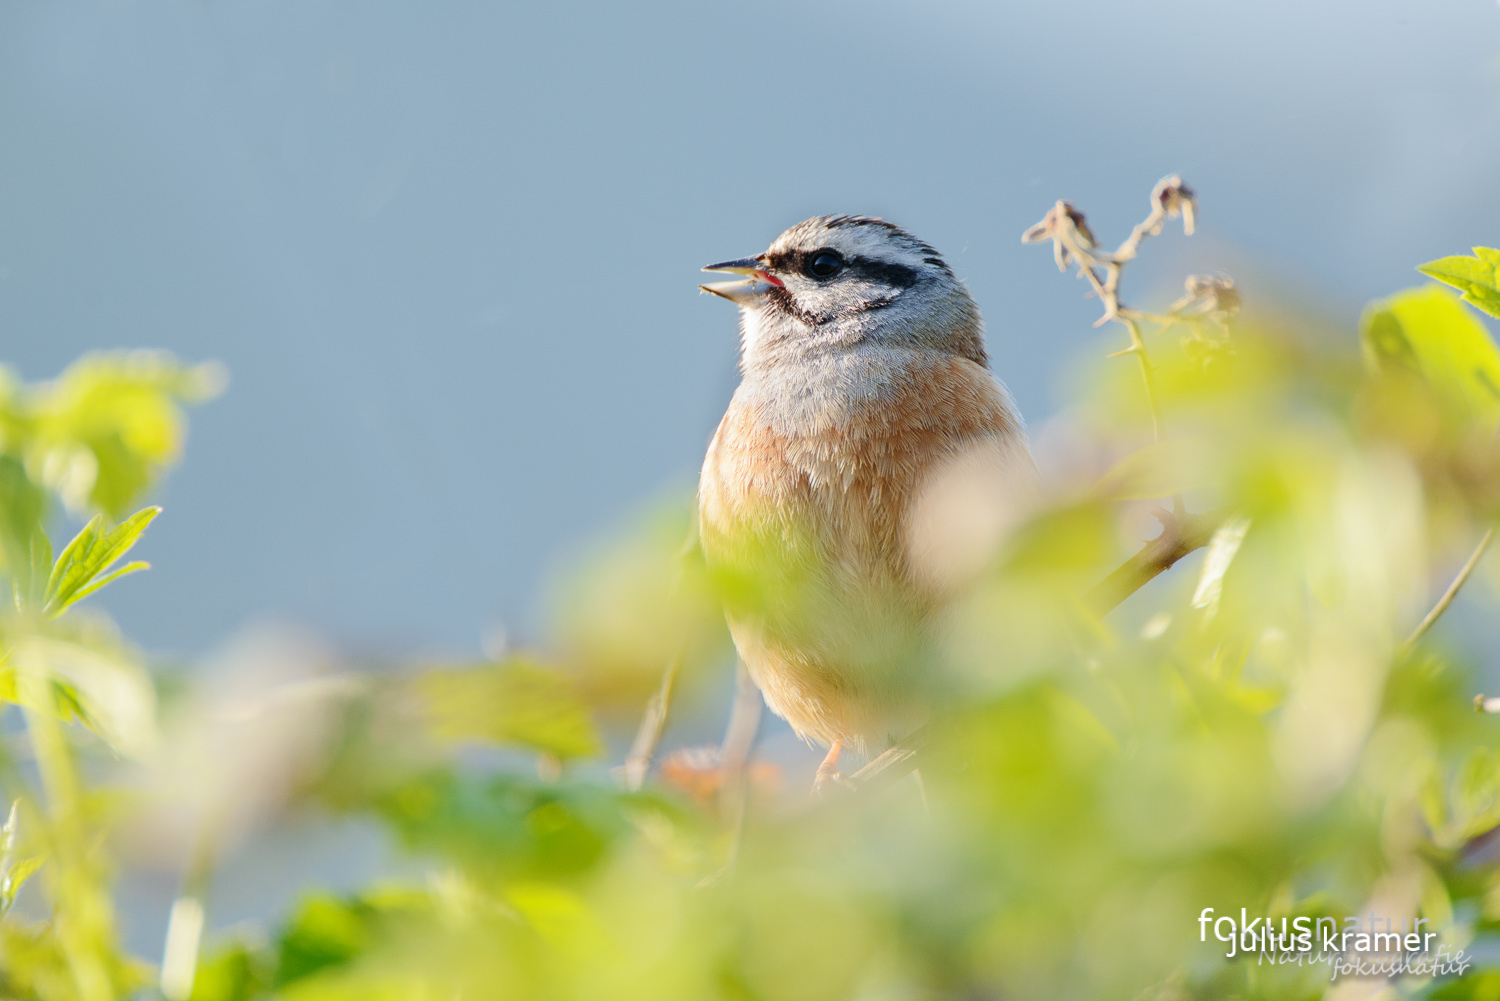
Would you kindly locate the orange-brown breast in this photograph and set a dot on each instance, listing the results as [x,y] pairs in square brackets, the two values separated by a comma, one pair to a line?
[808,512]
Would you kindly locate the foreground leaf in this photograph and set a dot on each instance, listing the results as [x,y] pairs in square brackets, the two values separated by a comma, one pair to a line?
[1426,332]
[516,702]
[107,428]
[106,692]
[1478,277]
[84,566]
[25,552]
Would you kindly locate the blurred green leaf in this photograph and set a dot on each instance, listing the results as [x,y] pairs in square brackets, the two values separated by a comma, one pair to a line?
[35,964]
[84,566]
[100,686]
[1427,332]
[1222,548]
[14,872]
[15,877]
[104,431]
[1478,277]
[515,702]
[1240,735]
[323,932]
[637,603]
[24,547]
[234,972]
[505,825]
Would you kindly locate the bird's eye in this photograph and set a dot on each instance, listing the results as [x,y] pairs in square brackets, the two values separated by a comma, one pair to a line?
[824,264]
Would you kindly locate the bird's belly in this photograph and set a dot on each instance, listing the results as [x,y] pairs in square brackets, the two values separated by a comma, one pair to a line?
[821,608]
[805,527]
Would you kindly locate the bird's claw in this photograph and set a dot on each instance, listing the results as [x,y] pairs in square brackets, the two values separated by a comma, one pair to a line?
[829,779]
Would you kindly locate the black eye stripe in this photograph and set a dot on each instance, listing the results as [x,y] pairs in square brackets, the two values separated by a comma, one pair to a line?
[884,272]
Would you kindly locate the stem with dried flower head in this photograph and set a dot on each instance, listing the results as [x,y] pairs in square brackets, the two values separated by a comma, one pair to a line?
[1073,242]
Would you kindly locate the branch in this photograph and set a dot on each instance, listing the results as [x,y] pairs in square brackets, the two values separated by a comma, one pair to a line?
[1464,573]
[898,761]
[653,723]
[1180,534]
[654,720]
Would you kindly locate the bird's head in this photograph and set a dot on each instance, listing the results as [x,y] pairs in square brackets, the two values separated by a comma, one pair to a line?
[840,281]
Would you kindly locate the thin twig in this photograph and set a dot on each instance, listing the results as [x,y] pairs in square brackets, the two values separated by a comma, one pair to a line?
[1148,376]
[654,719]
[1464,573]
[653,723]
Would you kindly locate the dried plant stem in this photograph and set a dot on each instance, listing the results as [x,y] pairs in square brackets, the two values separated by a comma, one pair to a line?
[1464,573]
[653,723]
[654,720]
[1108,291]
[1073,242]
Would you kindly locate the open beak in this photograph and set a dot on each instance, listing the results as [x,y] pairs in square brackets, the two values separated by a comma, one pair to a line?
[759,282]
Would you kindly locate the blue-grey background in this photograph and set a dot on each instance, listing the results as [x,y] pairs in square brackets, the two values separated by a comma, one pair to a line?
[448,251]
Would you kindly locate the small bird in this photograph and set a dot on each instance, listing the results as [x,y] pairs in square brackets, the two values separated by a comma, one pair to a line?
[866,403]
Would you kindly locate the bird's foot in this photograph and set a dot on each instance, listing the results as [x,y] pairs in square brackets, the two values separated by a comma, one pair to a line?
[828,776]
[826,781]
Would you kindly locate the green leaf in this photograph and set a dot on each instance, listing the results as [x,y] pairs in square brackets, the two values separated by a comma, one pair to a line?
[325,932]
[233,972]
[1477,277]
[15,877]
[517,702]
[1426,332]
[107,428]
[83,566]
[509,825]
[1222,548]
[102,689]
[99,582]
[24,548]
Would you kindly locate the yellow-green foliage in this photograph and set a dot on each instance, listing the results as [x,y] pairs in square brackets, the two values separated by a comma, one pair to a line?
[1253,730]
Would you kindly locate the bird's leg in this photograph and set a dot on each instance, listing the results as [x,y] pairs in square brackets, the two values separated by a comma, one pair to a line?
[828,771]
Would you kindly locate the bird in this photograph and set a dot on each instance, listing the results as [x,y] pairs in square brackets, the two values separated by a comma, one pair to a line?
[866,404]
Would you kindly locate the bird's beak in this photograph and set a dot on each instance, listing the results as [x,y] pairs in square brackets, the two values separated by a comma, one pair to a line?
[759,282]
